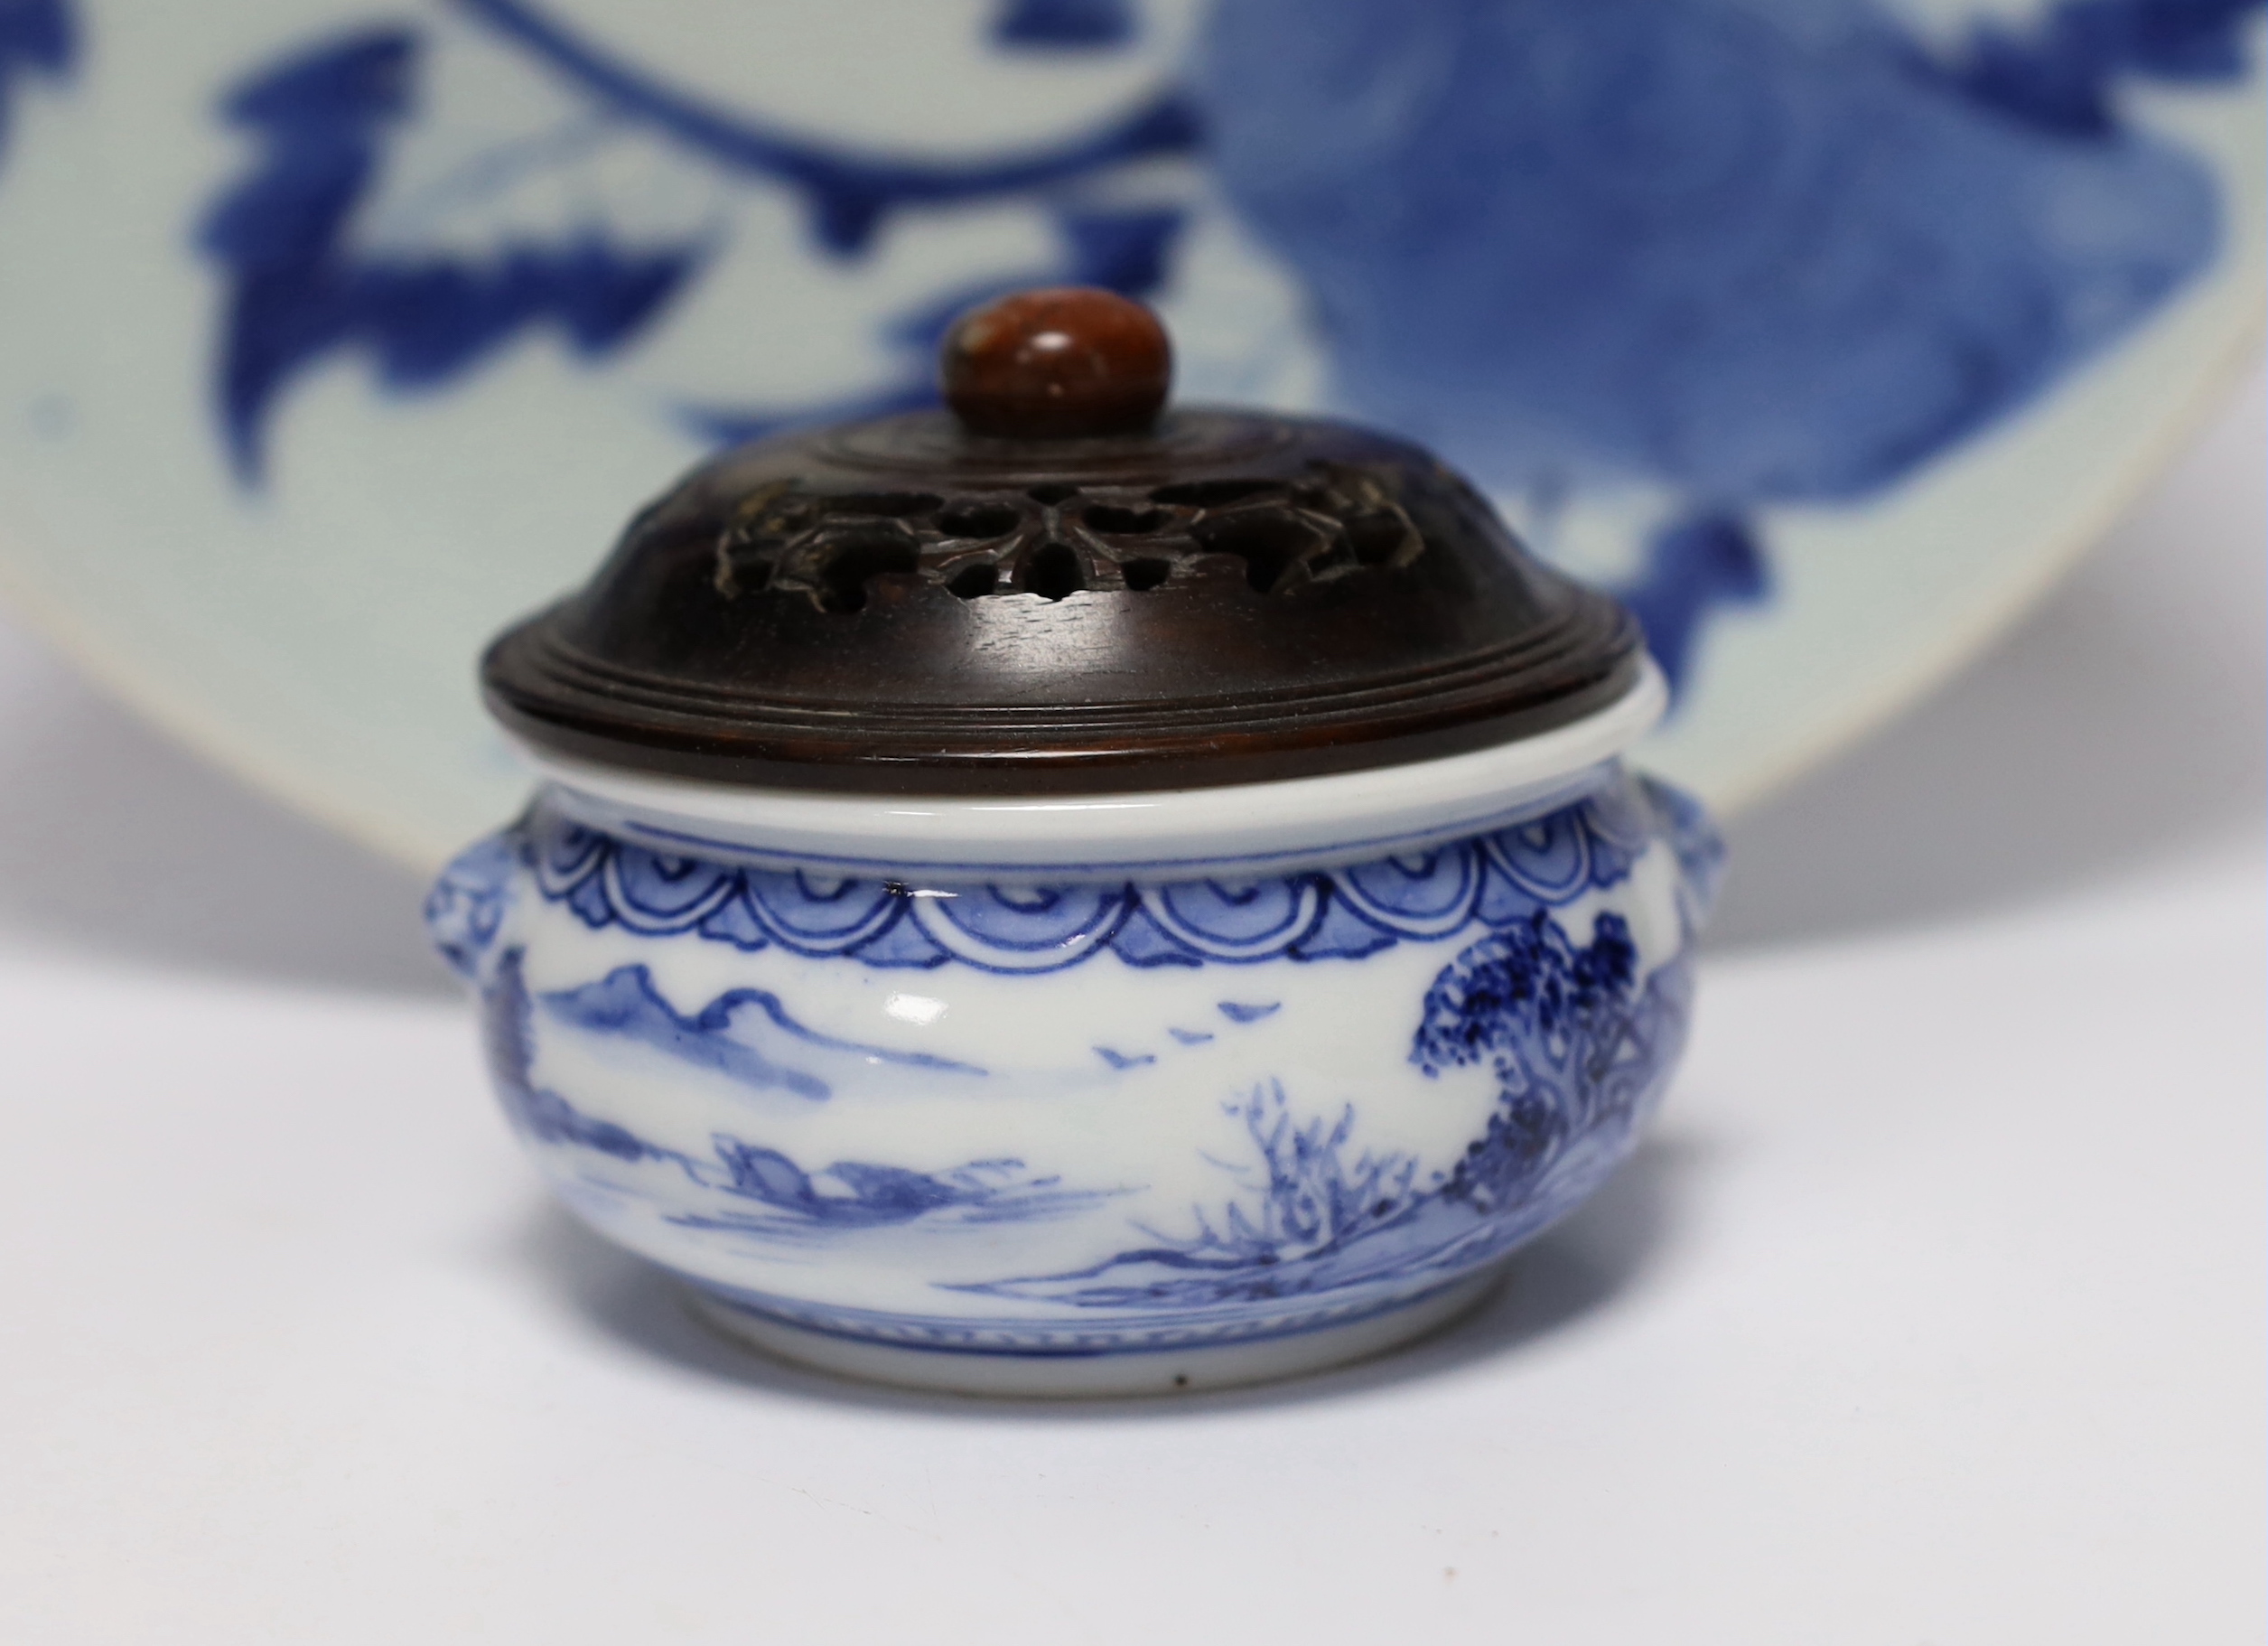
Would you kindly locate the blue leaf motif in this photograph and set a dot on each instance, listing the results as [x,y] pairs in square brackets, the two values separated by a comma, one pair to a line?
[39,40]
[662,894]
[297,292]
[813,915]
[1232,922]
[1023,928]
[1430,893]
[323,118]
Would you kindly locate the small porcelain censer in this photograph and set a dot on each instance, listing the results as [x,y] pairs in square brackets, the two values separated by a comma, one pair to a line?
[1060,896]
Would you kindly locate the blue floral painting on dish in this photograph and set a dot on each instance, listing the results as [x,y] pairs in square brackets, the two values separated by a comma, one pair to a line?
[1746,251]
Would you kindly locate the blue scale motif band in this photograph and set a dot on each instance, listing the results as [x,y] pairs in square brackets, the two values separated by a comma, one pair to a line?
[1496,878]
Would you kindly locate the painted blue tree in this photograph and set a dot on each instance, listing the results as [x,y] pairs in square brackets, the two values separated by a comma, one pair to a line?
[1550,1021]
[1748,251]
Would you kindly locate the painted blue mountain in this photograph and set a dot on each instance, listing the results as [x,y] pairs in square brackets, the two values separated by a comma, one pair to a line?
[752,1189]
[736,1034]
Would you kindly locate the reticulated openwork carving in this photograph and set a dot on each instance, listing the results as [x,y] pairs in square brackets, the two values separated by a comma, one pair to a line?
[1055,587]
[1055,540]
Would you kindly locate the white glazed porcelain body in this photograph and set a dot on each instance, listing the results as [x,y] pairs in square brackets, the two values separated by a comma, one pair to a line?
[1093,1129]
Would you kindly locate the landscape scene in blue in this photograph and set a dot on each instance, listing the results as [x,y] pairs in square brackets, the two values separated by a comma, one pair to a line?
[1575,1042]
[1749,251]
[756,1190]
[1579,1052]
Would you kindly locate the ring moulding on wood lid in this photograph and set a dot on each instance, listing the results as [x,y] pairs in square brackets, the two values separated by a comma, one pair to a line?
[1059,587]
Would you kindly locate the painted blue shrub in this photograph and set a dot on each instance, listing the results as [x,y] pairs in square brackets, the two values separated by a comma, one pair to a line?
[1521,992]
[1314,1191]
[39,40]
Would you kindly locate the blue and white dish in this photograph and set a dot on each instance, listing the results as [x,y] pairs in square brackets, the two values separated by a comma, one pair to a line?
[1824,332]
[985,1096]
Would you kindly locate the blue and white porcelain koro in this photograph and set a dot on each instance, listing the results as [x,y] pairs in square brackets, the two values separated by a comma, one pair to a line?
[1120,1094]
[1076,898]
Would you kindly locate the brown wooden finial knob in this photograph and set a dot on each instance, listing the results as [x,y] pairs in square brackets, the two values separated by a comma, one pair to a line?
[1057,363]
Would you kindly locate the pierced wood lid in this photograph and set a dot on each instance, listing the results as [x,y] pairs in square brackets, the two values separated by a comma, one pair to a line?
[1056,589]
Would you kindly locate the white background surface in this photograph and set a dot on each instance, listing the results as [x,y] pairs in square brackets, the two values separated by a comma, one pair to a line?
[1932,1312]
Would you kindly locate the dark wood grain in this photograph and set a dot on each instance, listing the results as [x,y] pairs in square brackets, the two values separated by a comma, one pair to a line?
[914,606]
